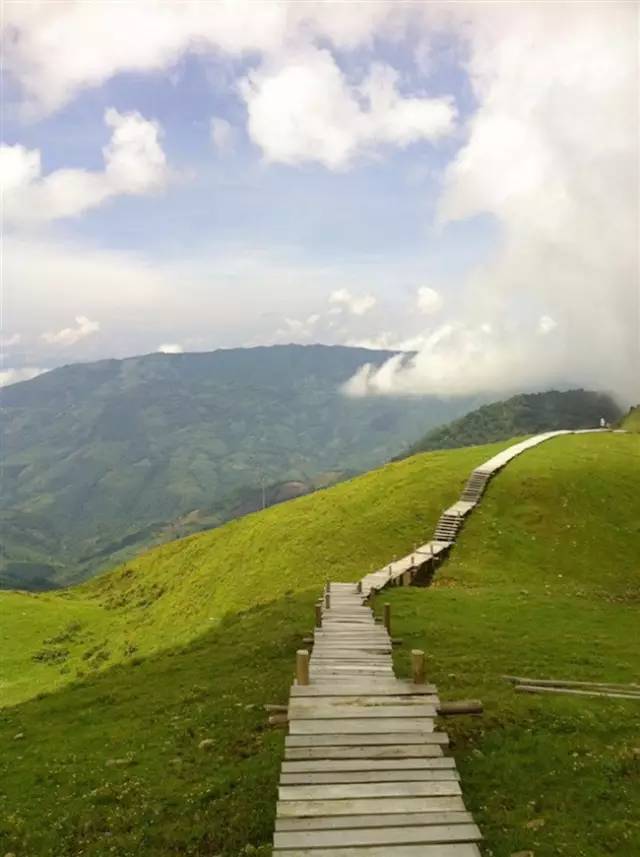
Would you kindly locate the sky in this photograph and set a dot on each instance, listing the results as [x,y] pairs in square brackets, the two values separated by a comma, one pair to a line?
[455,179]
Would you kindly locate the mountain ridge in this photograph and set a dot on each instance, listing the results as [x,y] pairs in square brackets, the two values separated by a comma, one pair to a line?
[117,451]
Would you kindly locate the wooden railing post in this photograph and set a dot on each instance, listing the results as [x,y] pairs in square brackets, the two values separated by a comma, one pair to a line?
[359,586]
[302,666]
[318,615]
[327,598]
[387,618]
[417,666]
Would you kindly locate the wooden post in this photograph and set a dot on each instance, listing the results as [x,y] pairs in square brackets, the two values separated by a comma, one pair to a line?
[302,666]
[387,618]
[318,615]
[359,586]
[417,666]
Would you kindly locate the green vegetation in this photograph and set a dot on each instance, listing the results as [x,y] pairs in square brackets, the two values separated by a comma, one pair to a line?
[632,420]
[180,590]
[103,459]
[548,585]
[524,414]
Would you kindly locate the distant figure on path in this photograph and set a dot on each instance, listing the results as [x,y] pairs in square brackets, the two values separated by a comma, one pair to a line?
[603,422]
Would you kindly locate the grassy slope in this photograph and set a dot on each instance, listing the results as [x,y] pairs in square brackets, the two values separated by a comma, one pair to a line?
[111,765]
[632,421]
[547,586]
[176,592]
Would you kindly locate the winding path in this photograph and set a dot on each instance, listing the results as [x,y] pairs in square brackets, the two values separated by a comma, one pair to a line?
[364,773]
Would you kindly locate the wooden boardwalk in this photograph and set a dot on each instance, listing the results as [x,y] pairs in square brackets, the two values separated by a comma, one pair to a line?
[364,772]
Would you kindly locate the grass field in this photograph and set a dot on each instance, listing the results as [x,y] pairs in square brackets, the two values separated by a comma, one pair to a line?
[545,581]
[175,593]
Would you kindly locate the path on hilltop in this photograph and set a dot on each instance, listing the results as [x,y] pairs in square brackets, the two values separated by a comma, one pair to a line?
[364,773]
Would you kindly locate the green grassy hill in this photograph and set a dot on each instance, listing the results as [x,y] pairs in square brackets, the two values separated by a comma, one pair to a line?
[103,459]
[545,582]
[632,420]
[527,413]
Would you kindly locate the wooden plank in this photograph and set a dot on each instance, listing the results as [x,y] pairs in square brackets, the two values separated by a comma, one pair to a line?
[346,791]
[367,806]
[352,822]
[345,765]
[341,712]
[440,850]
[390,751]
[371,701]
[423,835]
[359,688]
[366,725]
[371,740]
[371,776]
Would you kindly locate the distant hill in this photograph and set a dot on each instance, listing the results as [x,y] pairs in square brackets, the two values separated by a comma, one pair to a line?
[103,459]
[523,414]
[631,422]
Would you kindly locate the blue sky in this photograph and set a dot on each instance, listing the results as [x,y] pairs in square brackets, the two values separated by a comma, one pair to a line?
[379,177]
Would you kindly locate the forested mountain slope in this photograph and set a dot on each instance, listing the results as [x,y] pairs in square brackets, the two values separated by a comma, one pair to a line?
[527,413]
[101,459]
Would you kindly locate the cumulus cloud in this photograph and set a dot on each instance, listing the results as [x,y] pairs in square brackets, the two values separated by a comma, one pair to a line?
[71,335]
[305,109]
[13,376]
[134,163]
[55,50]
[170,348]
[356,305]
[429,301]
[552,155]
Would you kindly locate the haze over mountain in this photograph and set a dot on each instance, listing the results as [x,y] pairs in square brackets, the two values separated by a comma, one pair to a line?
[101,459]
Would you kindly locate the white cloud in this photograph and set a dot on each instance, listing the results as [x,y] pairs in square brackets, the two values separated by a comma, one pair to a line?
[552,155]
[13,376]
[9,341]
[304,109]
[72,335]
[546,324]
[54,50]
[458,360]
[222,134]
[134,164]
[343,298]
[171,348]
[429,301]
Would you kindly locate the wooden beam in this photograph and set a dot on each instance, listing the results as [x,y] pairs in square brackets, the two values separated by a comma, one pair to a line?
[302,666]
[417,666]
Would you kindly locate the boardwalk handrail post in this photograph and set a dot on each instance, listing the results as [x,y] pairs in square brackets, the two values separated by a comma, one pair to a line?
[327,598]
[387,618]
[302,666]
[417,666]
[359,586]
[318,615]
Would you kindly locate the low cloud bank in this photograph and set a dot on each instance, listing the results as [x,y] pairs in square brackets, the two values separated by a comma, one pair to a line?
[552,154]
